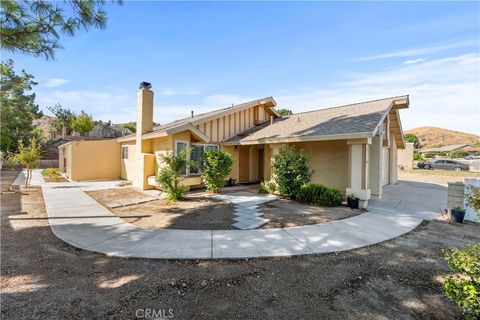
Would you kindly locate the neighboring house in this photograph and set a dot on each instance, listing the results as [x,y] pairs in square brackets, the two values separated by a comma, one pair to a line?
[471,149]
[352,148]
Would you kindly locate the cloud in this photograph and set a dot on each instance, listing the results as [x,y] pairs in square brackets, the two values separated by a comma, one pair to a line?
[443,92]
[55,82]
[432,48]
[413,61]
[179,92]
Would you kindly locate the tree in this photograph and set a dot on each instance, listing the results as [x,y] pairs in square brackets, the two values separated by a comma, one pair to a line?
[169,177]
[28,157]
[285,112]
[410,137]
[217,165]
[291,171]
[82,123]
[18,107]
[34,27]
[63,119]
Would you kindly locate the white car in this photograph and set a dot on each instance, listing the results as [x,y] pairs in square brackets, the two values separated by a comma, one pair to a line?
[473,157]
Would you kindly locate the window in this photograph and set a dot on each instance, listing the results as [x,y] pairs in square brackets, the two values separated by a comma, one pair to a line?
[179,146]
[124,152]
[197,153]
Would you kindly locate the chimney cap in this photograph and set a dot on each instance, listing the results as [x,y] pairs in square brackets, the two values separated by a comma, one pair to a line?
[146,85]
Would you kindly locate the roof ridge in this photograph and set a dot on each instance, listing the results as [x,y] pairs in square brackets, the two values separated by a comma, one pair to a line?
[347,105]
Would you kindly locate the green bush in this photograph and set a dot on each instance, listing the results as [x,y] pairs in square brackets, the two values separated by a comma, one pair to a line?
[291,171]
[50,172]
[417,156]
[267,187]
[320,195]
[170,175]
[217,165]
[464,287]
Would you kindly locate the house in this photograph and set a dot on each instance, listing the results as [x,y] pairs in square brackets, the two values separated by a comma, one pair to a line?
[448,150]
[352,148]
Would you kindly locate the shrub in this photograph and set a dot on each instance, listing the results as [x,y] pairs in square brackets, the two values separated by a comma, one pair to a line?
[291,171]
[320,195]
[169,176]
[267,187]
[217,165]
[464,287]
[417,155]
[50,172]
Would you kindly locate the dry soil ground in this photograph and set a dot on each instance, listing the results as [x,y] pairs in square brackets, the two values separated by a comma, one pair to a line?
[201,212]
[44,278]
[287,213]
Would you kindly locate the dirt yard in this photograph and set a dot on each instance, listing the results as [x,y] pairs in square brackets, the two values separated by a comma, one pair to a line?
[44,278]
[436,176]
[200,213]
[287,213]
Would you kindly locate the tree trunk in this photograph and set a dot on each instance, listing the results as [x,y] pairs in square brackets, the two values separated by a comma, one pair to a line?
[27,178]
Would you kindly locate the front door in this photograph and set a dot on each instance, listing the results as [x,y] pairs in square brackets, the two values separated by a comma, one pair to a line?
[261,163]
[244,164]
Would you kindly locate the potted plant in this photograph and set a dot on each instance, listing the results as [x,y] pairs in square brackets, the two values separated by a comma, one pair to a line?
[458,214]
[352,201]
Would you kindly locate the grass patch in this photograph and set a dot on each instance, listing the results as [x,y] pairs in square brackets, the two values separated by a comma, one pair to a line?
[53,175]
[444,173]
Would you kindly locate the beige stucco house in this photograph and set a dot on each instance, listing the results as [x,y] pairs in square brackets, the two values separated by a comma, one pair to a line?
[352,148]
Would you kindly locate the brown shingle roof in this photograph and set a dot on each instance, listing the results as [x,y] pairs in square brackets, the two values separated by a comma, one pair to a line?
[352,119]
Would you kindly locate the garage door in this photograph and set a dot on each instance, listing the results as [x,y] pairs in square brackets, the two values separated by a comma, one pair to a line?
[385,166]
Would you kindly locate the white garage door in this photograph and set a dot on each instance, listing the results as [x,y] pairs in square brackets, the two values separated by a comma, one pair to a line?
[386,166]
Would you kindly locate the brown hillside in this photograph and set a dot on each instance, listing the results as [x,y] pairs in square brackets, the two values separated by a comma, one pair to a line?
[432,136]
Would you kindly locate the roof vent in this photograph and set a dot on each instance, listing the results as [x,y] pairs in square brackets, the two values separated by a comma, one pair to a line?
[145,85]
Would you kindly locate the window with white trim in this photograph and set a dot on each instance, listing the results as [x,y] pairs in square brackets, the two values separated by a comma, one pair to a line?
[179,146]
[124,152]
[196,155]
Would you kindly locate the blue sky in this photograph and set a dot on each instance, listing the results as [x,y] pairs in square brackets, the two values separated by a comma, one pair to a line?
[310,55]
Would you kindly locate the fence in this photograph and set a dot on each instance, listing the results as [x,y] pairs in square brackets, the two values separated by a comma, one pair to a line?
[457,192]
[42,164]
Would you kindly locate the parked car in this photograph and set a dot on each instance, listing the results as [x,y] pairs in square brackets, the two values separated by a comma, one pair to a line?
[473,157]
[444,165]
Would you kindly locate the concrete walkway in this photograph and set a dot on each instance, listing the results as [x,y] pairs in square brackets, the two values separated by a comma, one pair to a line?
[421,200]
[82,222]
[246,211]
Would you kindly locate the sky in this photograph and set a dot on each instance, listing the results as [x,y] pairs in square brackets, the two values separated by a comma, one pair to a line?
[308,55]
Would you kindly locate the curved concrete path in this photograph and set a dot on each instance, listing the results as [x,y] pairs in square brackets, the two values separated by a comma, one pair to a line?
[82,222]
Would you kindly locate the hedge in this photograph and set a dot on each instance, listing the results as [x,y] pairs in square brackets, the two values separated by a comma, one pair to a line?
[320,195]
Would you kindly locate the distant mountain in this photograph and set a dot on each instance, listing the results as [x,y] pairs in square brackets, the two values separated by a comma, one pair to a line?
[435,137]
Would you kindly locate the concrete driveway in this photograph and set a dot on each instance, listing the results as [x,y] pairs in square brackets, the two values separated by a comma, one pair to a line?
[422,200]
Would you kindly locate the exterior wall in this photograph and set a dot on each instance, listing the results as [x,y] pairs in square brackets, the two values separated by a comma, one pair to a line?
[393,160]
[405,156]
[234,174]
[230,125]
[127,166]
[329,160]
[93,160]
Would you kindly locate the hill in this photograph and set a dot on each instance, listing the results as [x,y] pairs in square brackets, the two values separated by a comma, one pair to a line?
[434,137]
